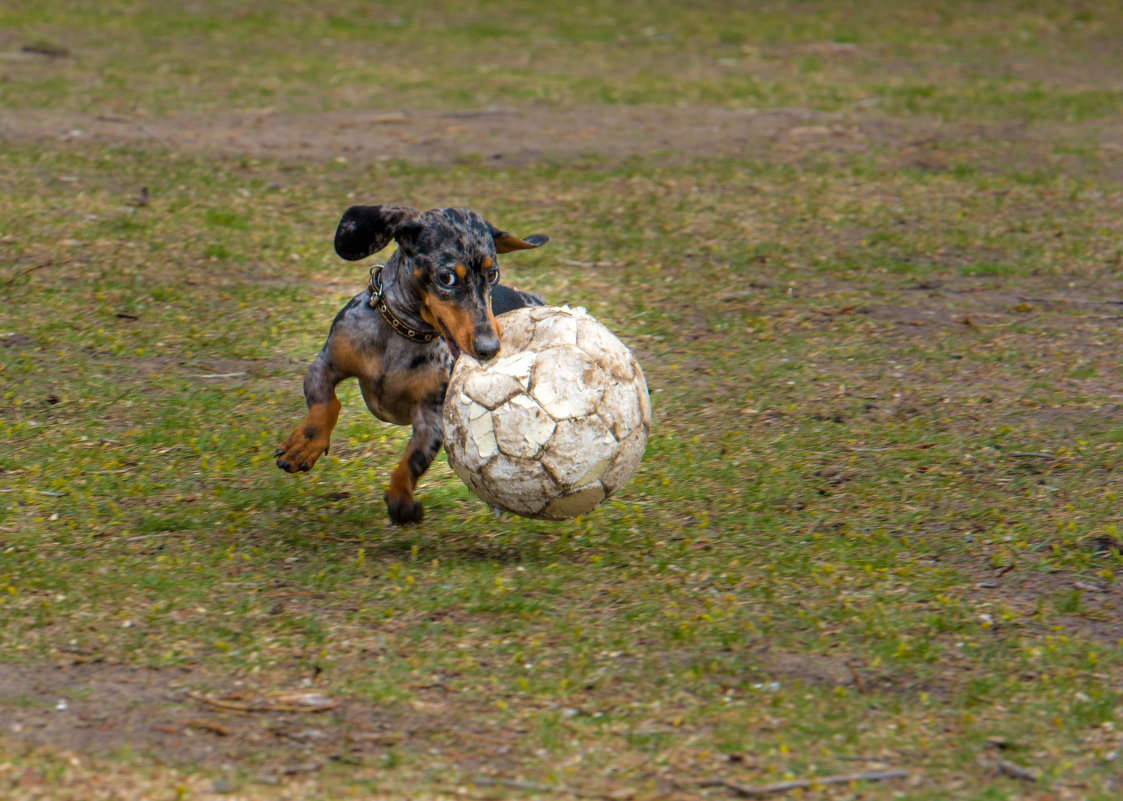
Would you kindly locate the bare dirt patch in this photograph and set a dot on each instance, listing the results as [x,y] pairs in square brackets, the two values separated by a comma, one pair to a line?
[517,136]
[496,136]
[104,709]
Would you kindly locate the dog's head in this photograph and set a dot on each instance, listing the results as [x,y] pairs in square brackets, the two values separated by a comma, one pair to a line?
[452,257]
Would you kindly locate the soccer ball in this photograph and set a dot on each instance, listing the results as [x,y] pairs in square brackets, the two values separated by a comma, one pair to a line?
[555,423]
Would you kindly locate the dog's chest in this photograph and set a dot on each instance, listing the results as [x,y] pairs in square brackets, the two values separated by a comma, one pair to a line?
[393,395]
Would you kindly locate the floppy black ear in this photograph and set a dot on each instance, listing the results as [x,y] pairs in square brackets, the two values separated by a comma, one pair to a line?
[364,230]
[505,242]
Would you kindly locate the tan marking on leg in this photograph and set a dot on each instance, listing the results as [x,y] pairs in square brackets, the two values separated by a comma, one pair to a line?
[311,439]
[400,504]
[402,481]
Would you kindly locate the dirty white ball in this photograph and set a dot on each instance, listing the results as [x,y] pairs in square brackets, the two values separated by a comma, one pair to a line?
[555,423]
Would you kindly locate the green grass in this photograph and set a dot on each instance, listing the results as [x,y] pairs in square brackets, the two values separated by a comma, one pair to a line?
[952,59]
[878,513]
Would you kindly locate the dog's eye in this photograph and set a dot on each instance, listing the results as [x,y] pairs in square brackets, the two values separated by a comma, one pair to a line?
[447,279]
[493,277]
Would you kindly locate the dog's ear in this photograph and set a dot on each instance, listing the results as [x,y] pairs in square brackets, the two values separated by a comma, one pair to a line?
[364,230]
[505,242]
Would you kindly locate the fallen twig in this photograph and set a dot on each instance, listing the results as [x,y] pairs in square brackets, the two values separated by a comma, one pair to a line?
[904,446]
[212,726]
[1031,455]
[289,770]
[740,293]
[1075,301]
[138,537]
[378,739]
[593,264]
[231,706]
[139,125]
[759,791]
[1008,768]
[835,312]
[45,50]
[861,685]
[274,702]
[561,789]
[41,266]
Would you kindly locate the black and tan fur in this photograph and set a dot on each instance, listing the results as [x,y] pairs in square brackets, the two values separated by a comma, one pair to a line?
[442,279]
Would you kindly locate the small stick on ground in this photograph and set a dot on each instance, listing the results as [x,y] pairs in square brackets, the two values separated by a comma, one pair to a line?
[760,791]
[263,704]
[593,264]
[212,726]
[229,706]
[1014,771]
[45,50]
[41,266]
[861,685]
[561,789]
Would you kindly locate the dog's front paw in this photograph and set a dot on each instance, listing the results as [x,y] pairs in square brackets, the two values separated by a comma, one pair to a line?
[301,450]
[403,509]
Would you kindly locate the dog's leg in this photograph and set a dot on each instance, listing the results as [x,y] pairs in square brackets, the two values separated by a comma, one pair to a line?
[312,438]
[424,445]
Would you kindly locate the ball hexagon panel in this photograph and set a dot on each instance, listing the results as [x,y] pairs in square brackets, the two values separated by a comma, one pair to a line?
[516,365]
[521,427]
[490,389]
[608,351]
[620,410]
[574,503]
[580,451]
[567,382]
[556,330]
[515,331]
[625,460]
[644,398]
[521,485]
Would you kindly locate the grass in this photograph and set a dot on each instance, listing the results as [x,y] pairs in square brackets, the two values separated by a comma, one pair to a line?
[1005,61]
[876,519]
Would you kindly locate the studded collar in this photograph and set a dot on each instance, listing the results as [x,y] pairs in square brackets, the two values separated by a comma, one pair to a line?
[378,301]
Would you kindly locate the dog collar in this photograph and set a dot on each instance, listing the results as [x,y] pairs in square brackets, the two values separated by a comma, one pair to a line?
[377,301]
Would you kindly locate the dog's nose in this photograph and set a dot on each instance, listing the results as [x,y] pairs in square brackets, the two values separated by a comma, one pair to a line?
[487,345]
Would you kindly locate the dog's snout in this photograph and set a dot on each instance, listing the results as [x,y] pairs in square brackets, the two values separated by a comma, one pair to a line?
[487,345]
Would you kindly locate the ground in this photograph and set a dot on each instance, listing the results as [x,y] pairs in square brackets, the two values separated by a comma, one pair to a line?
[868,256]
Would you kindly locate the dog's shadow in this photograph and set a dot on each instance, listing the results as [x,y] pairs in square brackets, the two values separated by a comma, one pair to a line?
[503,539]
